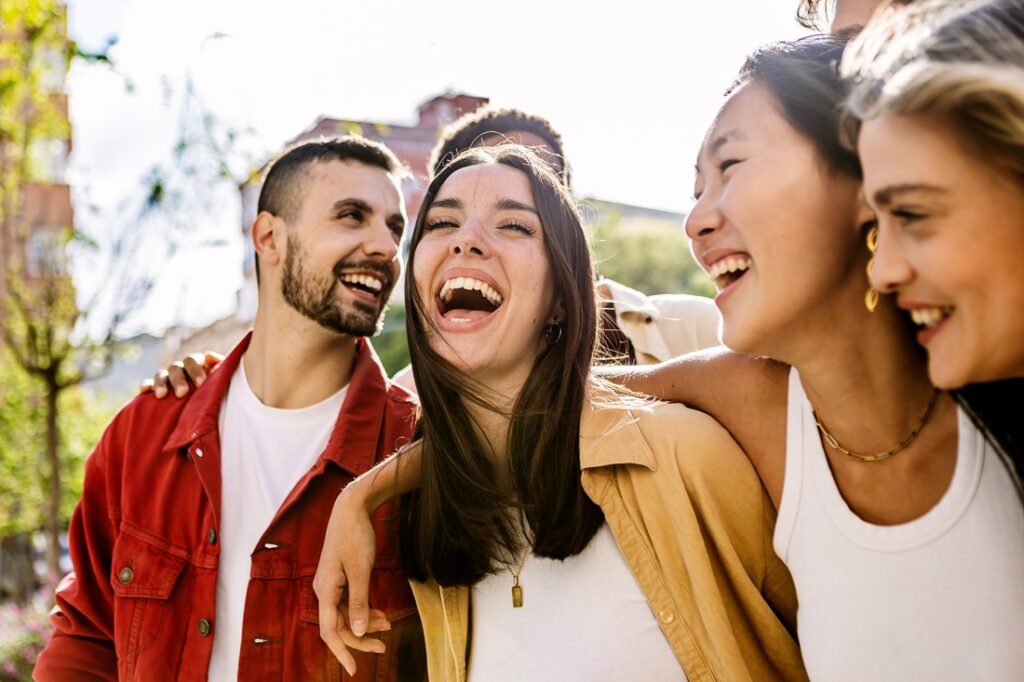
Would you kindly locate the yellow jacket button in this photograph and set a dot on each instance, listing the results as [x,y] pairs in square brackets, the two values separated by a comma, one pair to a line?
[666,616]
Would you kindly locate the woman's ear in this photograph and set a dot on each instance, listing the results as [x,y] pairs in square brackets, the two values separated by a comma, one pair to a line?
[557,314]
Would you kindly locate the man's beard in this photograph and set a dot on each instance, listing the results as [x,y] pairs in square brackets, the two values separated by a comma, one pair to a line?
[317,297]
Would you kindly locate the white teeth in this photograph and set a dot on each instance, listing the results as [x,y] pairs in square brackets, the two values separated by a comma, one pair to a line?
[730,264]
[929,317]
[367,281]
[470,284]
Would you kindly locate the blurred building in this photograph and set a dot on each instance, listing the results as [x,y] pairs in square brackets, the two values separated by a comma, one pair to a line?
[34,227]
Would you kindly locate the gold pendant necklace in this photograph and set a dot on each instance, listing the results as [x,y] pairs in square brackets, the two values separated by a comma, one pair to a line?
[517,590]
[878,456]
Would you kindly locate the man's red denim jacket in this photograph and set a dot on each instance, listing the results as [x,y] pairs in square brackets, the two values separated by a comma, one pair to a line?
[145,540]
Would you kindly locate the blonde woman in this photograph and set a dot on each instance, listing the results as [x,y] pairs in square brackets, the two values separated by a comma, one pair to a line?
[938,119]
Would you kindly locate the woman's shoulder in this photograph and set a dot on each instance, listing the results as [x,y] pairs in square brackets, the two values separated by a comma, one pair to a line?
[675,434]
[686,435]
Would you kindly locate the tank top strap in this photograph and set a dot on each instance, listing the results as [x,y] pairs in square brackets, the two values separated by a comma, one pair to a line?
[795,478]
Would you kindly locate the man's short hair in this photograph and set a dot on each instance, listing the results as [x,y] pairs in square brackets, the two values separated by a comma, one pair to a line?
[283,184]
[473,130]
[284,181]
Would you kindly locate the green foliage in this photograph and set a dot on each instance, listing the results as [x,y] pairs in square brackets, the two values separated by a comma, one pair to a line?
[23,481]
[391,345]
[34,55]
[648,254]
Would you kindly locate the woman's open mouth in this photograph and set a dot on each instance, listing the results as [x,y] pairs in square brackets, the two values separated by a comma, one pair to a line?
[729,270]
[931,320]
[466,299]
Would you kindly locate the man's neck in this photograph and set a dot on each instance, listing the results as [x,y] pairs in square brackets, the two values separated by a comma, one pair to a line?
[292,362]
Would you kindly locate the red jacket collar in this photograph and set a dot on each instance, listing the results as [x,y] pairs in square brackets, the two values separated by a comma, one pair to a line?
[353,442]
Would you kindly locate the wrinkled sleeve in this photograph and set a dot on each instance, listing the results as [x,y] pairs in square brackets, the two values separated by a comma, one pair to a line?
[82,646]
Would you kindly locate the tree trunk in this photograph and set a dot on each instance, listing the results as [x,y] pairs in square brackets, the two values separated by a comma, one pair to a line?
[17,577]
[54,525]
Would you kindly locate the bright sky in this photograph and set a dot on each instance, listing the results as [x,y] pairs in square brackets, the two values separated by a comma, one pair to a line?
[631,86]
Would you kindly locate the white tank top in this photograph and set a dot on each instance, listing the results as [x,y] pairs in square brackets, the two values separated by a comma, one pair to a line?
[584,619]
[938,598]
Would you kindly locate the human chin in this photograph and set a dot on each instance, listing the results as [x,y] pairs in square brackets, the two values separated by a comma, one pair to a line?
[741,327]
[327,303]
[736,333]
[463,352]
[963,352]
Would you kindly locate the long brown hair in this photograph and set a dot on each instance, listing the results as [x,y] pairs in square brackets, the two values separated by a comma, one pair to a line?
[457,527]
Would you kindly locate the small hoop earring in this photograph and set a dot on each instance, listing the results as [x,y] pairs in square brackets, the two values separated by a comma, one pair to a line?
[871,296]
[552,333]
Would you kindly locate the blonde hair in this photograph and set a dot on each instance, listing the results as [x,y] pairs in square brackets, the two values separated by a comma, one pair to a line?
[962,60]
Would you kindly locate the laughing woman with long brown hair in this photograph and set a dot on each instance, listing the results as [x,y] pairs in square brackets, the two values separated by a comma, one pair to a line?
[561,529]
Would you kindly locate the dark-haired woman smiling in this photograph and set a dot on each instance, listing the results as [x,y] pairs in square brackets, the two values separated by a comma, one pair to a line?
[562,530]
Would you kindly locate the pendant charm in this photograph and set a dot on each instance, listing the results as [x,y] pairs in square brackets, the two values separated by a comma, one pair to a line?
[517,594]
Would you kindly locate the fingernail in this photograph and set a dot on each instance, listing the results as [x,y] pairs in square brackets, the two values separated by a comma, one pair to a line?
[359,628]
[200,380]
[160,392]
[179,391]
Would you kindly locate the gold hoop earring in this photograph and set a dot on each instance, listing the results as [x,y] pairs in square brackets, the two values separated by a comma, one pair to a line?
[871,297]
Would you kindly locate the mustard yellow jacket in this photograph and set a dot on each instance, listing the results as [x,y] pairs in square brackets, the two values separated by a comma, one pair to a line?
[694,524]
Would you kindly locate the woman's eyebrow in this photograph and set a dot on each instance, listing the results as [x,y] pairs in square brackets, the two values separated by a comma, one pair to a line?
[513,205]
[446,203]
[886,196]
[720,140]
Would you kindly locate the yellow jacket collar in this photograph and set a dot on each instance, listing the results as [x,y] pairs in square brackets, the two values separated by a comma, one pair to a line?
[609,433]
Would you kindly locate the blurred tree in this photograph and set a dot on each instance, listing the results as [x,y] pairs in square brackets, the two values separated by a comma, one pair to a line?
[50,331]
[23,489]
[40,312]
[391,344]
[647,254]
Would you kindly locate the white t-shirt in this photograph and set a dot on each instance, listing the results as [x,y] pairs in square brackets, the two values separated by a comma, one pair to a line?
[583,619]
[938,598]
[264,453]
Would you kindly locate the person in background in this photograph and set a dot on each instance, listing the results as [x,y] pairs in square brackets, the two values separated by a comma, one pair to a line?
[840,16]
[201,520]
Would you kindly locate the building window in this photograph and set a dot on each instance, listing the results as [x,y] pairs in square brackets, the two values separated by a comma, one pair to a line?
[53,69]
[49,160]
[45,251]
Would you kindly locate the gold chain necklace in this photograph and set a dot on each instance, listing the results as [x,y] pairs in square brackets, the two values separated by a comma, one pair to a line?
[834,443]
